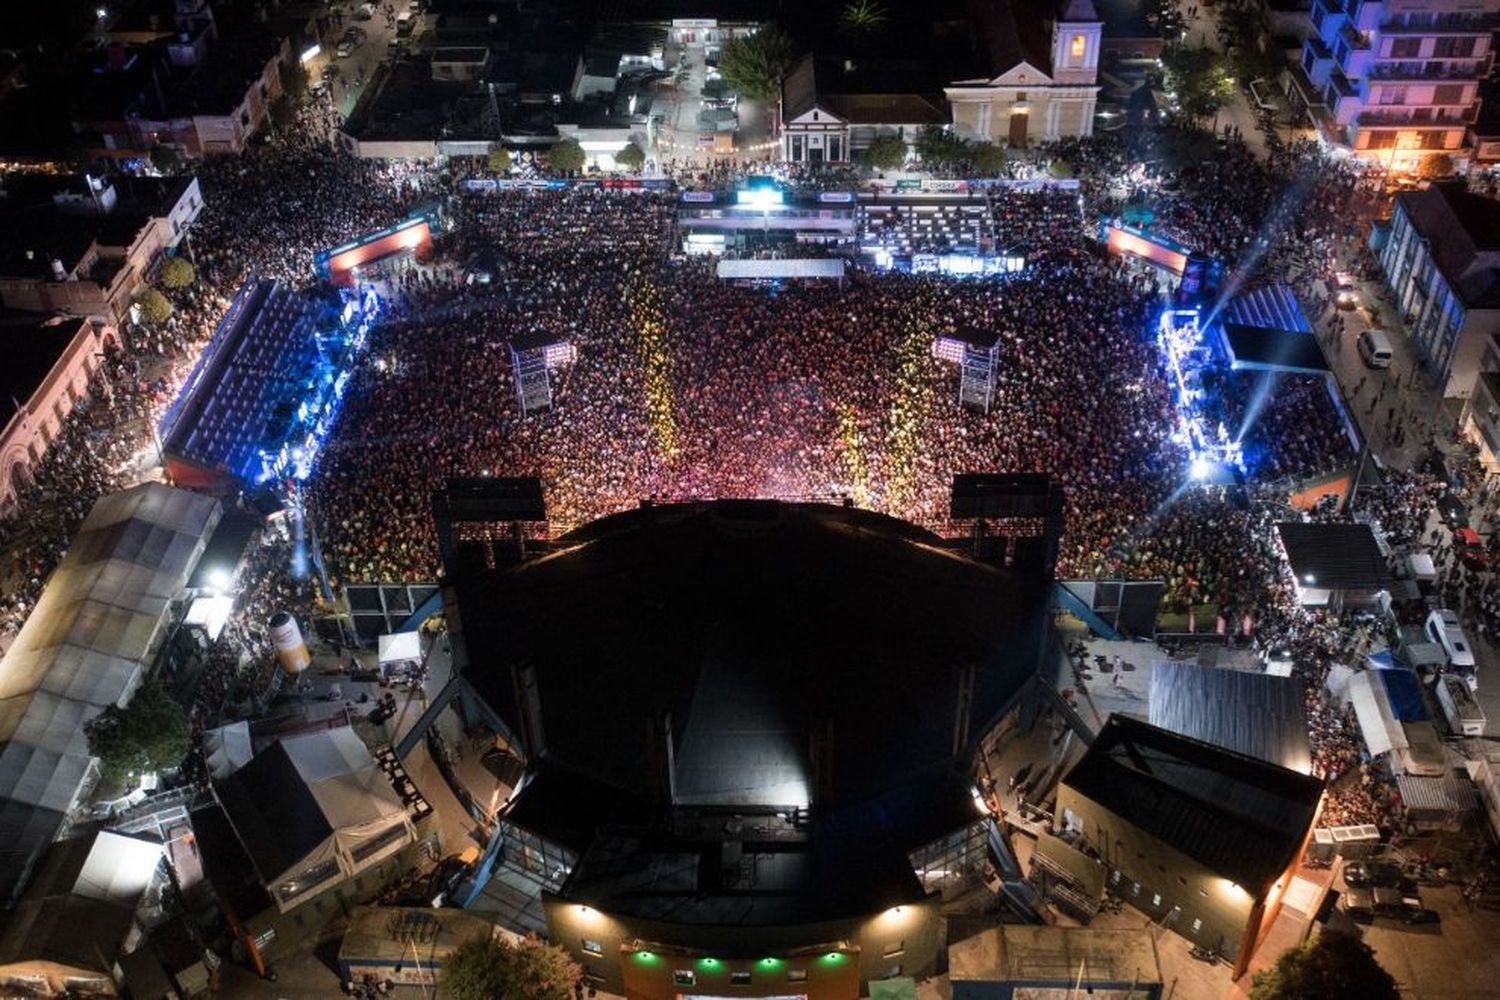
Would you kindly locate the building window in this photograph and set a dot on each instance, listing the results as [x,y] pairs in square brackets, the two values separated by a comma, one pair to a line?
[1156,899]
[1197,924]
[797,976]
[739,979]
[592,947]
[684,977]
[893,972]
[894,948]
[1406,48]
[1135,888]
[1448,93]
[1078,46]
[1114,877]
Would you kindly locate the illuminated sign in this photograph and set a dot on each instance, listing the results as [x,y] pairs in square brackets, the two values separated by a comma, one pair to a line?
[836,197]
[1121,240]
[700,197]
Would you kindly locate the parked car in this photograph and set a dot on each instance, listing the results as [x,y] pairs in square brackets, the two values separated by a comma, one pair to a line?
[1470,548]
[1363,906]
[1376,875]
[1345,290]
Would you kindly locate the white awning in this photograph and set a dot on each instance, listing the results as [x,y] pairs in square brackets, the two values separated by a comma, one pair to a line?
[1377,722]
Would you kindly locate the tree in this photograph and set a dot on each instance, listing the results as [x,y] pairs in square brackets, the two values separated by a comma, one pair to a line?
[177,273]
[487,967]
[886,152]
[567,157]
[294,81]
[283,112]
[155,307]
[863,17]
[165,158]
[499,161]
[939,147]
[1200,78]
[149,734]
[988,159]
[1336,966]
[631,158]
[1435,166]
[754,65]
[1060,169]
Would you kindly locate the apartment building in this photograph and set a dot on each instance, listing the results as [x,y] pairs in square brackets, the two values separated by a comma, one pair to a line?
[1396,80]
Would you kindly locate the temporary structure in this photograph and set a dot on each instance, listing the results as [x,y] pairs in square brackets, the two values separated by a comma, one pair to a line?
[84,647]
[313,810]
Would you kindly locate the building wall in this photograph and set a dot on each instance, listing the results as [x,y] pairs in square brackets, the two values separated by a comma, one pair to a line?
[1050,112]
[29,433]
[1449,338]
[50,979]
[1157,879]
[902,940]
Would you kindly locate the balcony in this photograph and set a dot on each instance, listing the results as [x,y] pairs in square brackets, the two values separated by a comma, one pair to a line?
[1433,69]
[1407,118]
[1446,24]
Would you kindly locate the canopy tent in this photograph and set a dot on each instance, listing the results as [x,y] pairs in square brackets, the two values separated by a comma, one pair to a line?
[312,810]
[83,648]
[1376,720]
[227,749]
[400,646]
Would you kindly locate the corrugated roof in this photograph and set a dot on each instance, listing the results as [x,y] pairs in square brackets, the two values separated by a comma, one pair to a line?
[1240,817]
[1261,715]
[1334,556]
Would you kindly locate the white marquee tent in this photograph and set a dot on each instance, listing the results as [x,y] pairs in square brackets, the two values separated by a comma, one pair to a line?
[84,647]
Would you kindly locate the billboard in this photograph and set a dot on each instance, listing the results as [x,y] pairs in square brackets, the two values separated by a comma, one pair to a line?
[1159,251]
[338,265]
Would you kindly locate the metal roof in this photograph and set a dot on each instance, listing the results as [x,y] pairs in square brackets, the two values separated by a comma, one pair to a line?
[1334,556]
[1260,715]
[1239,817]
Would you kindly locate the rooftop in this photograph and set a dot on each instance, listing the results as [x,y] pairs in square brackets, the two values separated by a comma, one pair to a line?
[1463,232]
[1261,715]
[1334,556]
[31,352]
[1242,818]
[739,622]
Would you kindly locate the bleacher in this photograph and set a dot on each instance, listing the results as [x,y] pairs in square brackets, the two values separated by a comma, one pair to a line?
[263,389]
[908,228]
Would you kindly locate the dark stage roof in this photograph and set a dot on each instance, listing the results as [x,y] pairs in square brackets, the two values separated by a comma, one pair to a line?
[1334,556]
[763,630]
[1240,817]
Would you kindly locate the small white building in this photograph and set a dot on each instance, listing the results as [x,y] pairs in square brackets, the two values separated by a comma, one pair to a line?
[830,112]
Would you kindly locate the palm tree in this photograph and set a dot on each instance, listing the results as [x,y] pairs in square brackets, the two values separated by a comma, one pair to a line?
[863,17]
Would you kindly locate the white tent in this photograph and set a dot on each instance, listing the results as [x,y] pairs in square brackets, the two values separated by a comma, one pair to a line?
[227,749]
[83,648]
[313,810]
[399,646]
[1376,720]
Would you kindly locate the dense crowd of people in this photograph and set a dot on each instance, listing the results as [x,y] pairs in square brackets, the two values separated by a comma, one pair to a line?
[677,385]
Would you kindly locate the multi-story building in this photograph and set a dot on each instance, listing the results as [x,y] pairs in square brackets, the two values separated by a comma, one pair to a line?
[1037,72]
[1396,80]
[84,245]
[1442,261]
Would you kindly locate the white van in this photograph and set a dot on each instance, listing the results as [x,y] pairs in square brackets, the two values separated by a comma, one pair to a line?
[1375,348]
[1443,628]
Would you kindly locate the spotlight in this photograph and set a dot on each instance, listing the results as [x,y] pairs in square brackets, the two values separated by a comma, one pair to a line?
[1201,468]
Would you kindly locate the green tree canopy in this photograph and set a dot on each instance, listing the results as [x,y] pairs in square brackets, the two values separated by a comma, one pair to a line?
[1435,166]
[149,734]
[755,64]
[165,158]
[1060,169]
[886,152]
[1335,966]
[938,147]
[631,157]
[486,968]
[988,159]
[156,308]
[499,160]
[178,273]
[567,157]
[1200,78]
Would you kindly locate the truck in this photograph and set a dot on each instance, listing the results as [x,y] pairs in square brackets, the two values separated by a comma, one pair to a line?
[1465,717]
